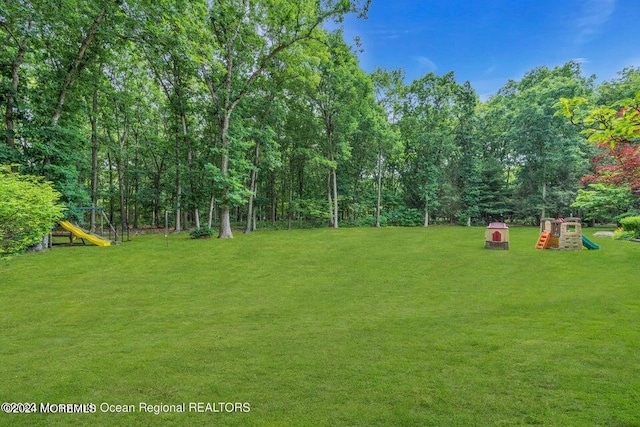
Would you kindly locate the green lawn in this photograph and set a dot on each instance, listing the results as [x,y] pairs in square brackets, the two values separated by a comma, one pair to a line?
[350,327]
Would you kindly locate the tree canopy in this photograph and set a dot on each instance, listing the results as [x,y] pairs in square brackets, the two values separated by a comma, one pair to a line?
[248,114]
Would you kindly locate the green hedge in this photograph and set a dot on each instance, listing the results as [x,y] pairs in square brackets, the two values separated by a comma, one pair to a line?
[631,224]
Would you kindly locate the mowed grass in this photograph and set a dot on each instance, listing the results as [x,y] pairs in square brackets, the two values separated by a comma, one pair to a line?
[350,327]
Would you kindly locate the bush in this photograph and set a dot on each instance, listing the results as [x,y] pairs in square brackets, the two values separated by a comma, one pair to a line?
[631,224]
[405,217]
[28,210]
[370,221]
[620,234]
[201,233]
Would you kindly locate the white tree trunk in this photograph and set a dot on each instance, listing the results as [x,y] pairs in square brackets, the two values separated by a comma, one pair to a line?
[426,210]
[543,214]
[211,208]
[225,224]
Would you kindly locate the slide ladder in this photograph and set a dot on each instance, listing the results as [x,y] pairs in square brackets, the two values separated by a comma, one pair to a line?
[82,234]
[543,241]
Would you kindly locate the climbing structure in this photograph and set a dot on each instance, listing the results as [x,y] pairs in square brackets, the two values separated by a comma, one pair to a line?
[543,241]
[570,235]
[565,235]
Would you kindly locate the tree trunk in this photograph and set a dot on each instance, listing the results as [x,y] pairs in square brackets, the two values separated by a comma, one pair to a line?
[178,224]
[290,210]
[185,219]
[379,191]
[76,65]
[120,165]
[111,198]
[543,214]
[94,158]
[336,212]
[225,219]
[252,189]
[330,199]
[273,197]
[426,209]
[212,206]
[190,203]
[225,223]
[157,182]
[136,184]
[255,220]
[13,90]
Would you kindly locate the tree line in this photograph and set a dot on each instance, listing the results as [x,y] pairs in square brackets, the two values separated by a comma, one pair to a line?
[252,113]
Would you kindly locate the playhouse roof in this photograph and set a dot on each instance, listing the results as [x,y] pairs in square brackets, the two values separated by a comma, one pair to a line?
[498,225]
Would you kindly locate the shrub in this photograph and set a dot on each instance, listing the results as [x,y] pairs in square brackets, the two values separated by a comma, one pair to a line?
[28,210]
[201,233]
[620,234]
[406,217]
[631,225]
[370,221]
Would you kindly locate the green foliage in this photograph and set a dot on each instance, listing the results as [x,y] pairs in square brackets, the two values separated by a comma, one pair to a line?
[625,86]
[631,225]
[202,233]
[404,217]
[614,117]
[28,210]
[601,202]
[370,221]
[544,150]
[427,128]
[314,210]
[264,92]
[621,234]
[494,198]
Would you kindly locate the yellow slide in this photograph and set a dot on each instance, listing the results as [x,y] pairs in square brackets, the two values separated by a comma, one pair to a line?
[78,232]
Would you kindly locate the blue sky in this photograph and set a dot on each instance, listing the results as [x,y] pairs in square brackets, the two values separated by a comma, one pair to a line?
[490,42]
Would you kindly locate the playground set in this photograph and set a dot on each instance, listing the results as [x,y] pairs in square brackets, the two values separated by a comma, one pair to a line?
[74,232]
[559,234]
[563,234]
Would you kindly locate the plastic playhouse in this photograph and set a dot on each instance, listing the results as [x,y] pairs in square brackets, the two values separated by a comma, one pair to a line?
[497,236]
[563,234]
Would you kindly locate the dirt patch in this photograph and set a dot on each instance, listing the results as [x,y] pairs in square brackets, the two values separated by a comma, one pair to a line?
[603,234]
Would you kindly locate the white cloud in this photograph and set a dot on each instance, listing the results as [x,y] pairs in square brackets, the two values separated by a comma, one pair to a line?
[581,60]
[594,14]
[426,63]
